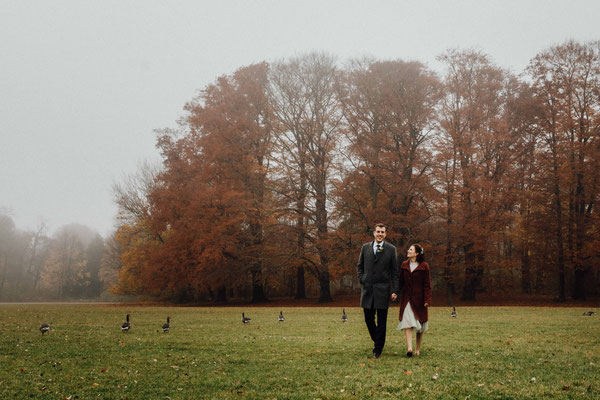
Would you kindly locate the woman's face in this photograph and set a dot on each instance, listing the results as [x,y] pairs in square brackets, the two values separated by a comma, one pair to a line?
[411,252]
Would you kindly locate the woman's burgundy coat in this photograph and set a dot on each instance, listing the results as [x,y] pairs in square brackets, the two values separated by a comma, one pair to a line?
[416,288]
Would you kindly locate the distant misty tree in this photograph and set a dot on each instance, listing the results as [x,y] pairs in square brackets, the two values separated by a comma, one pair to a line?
[67,271]
[22,256]
[91,273]
[110,264]
[7,233]
[84,233]
[38,254]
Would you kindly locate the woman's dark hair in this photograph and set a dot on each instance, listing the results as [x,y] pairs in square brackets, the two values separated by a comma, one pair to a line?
[419,251]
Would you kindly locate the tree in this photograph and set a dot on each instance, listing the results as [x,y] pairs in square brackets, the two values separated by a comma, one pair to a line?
[91,271]
[132,193]
[110,263]
[389,112]
[7,238]
[207,217]
[39,252]
[64,266]
[304,101]
[473,124]
[566,83]
[289,101]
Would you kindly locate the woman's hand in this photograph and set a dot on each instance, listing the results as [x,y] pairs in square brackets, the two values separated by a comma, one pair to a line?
[426,304]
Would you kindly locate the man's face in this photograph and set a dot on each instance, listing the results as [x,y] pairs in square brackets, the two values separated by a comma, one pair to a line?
[379,234]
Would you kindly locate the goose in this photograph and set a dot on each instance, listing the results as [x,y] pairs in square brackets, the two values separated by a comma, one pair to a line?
[245,319]
[453,313]
[126,325]
[167,326]
[280,318]
[344,316]
[44,328]
[589,313]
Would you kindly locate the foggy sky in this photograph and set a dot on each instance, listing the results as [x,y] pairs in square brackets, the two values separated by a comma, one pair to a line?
[84,84]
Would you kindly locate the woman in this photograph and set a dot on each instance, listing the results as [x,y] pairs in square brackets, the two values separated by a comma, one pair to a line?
[415,284]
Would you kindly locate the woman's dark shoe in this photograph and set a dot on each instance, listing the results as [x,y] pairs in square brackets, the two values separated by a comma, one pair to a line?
[409,354]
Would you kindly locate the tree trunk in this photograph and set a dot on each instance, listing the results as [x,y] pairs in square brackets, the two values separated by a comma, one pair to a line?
[258,291]
[525,270]
[3,276]
[322,230]
[579,292]
[300,283]
[559,237]
[221,294]
[324,290]
[473,273]
[449,276]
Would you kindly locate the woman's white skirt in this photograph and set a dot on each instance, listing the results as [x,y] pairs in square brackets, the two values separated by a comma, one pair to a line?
[410,321]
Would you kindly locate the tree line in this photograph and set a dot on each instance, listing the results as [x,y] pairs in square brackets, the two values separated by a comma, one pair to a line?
[278,172]
[75,263]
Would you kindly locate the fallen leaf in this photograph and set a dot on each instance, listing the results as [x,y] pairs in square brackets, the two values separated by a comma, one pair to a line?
[407,372]
[104,370]
[566,387]
[362,364]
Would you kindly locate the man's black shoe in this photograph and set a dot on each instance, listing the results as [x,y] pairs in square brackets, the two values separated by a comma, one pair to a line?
[376,355]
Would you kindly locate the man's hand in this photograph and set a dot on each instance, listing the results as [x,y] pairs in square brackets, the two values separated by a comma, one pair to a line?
[394,296]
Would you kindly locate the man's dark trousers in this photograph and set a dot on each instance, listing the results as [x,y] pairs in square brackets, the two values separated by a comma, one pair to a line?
[377,331]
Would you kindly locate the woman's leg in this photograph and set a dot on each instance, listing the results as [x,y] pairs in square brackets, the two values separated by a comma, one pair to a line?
[419,338]
[408,333]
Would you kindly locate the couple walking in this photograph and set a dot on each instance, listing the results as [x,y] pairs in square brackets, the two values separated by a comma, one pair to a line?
[382,281]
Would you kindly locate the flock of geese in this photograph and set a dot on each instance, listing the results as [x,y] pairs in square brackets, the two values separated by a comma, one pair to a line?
[126,326]
[281,318]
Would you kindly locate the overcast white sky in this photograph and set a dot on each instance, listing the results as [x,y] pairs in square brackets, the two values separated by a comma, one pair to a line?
[84,84]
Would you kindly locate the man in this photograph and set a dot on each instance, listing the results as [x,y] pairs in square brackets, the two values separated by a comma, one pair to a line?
[378,275]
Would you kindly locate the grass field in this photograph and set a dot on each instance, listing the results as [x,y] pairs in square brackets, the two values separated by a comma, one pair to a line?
[484,353]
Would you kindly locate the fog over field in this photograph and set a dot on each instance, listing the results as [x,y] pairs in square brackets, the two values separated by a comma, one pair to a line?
[85,84]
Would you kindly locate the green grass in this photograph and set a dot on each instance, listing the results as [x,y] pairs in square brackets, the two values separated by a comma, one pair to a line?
[485,353]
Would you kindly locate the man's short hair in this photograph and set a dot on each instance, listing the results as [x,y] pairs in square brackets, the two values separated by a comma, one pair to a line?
[380,225]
